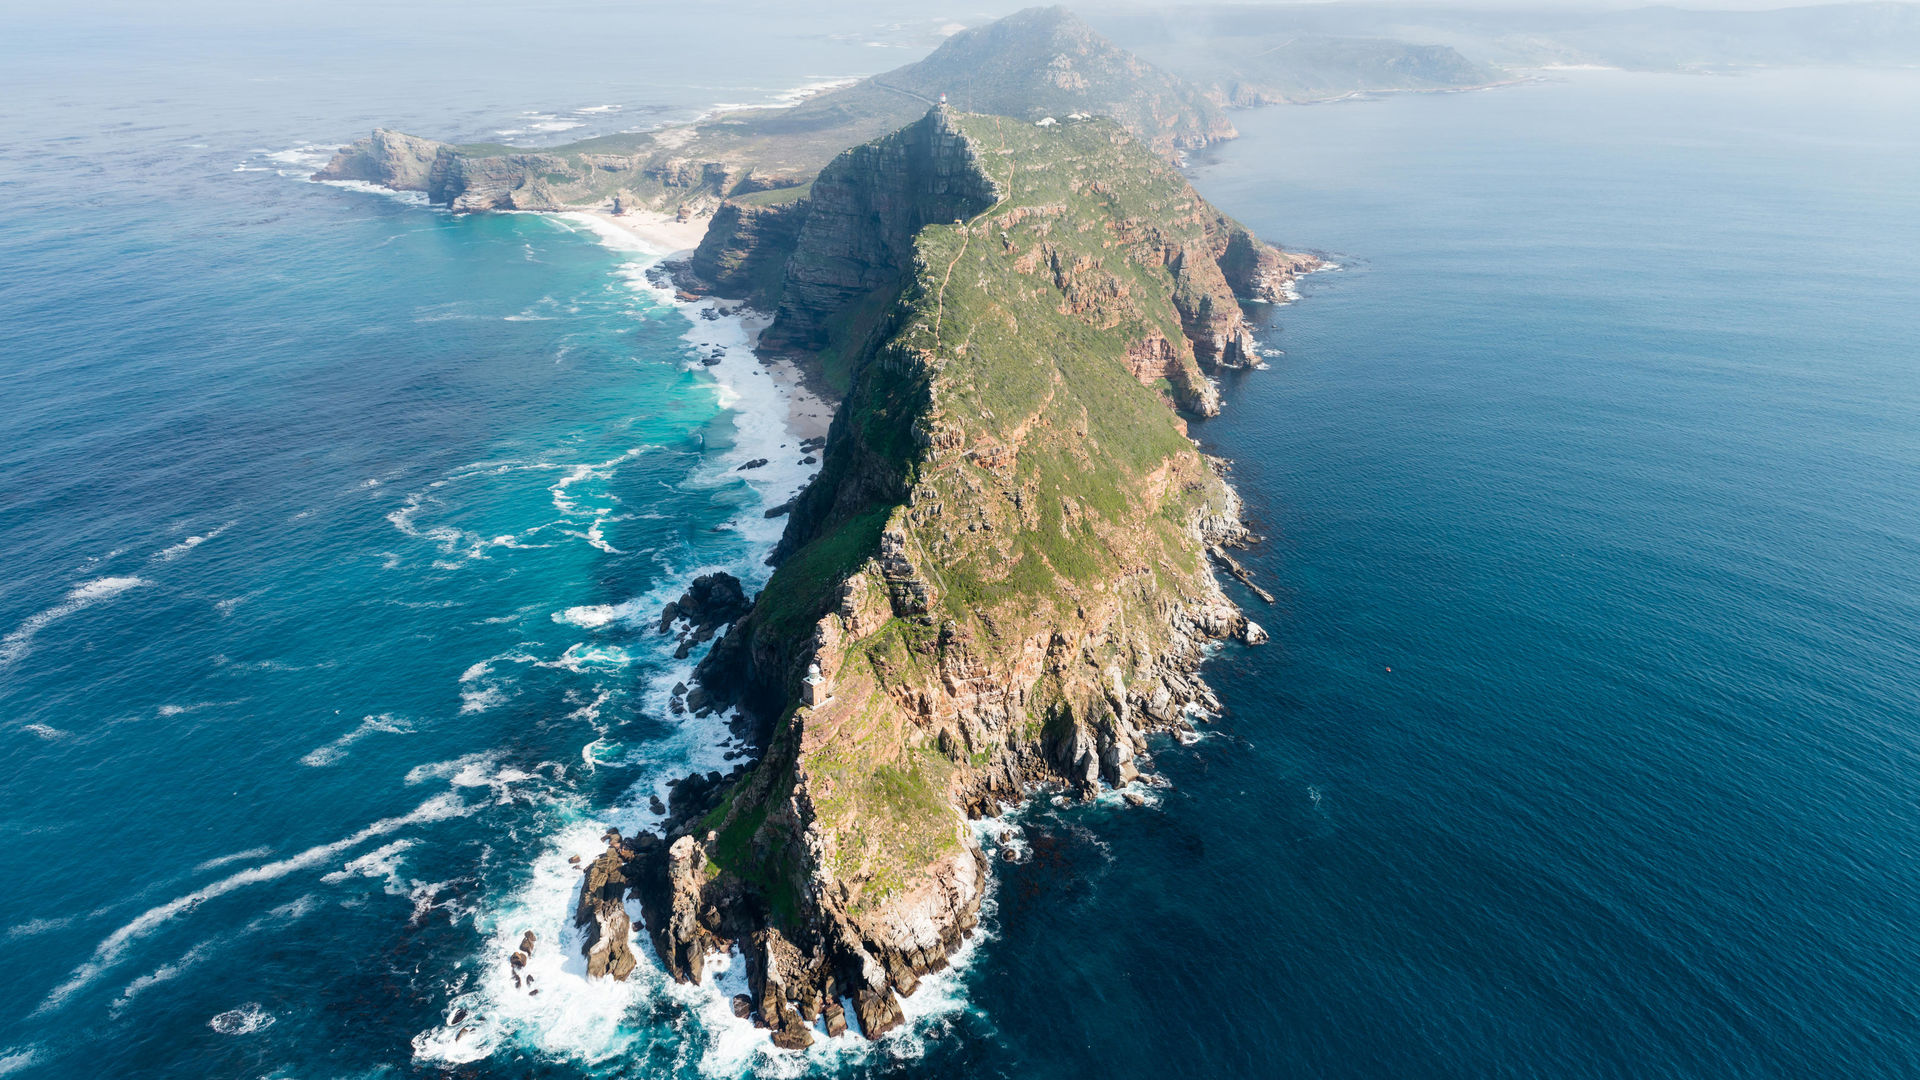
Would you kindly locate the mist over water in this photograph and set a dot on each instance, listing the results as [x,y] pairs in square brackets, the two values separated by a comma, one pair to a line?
[334,526]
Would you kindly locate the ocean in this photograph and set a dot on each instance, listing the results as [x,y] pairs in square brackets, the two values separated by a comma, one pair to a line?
[334,526]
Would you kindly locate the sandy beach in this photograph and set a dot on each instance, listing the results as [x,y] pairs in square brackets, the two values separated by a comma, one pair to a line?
[662,233]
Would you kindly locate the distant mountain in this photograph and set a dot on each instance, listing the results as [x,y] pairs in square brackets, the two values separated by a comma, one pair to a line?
[1667,38]
[1036,63]
[1046,62]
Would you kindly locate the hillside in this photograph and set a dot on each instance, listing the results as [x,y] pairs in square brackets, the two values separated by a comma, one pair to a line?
[1042,61]
[1001,578]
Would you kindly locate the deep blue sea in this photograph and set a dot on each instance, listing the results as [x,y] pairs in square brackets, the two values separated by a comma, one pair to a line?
[331,526]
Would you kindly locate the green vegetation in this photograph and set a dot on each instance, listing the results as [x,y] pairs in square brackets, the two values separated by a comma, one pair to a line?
[848,334]
[806,583]
[776,196]
[890,817]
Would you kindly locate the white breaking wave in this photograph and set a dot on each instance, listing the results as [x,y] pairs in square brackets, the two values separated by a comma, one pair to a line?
[581,658]
[244,1020]
[14,1058]
[481,690]
[572,506]
[595,616]
[411,198]
[112,950]
[16,644]
[382,862]
[787,99]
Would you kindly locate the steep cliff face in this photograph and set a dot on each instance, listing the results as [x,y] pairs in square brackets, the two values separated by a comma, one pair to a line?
[867,207]
[745,250]
[1000,579]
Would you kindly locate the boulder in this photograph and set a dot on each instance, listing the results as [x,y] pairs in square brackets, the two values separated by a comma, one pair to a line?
[836,1019]
[878,1010]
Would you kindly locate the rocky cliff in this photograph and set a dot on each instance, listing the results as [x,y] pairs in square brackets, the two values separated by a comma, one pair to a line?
[1036,63]
[744,252]
[867,208]
[1002,577]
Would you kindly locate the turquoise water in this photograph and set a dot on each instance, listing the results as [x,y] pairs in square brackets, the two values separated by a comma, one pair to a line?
[332,524]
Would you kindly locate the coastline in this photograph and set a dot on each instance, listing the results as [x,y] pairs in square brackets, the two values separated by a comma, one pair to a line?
[774,412]
[662,236]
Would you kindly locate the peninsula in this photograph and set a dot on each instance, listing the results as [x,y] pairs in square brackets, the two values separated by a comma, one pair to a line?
[1003,577]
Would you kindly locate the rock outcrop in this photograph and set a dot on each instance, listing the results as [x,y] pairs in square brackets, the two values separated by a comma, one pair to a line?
[602,913]
[711,603]
[390,159]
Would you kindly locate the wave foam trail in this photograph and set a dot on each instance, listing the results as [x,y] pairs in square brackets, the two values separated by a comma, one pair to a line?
[572,1017]
[16,644]
[238,856]
[382,862]
[110,951]
[337,749]
[173,552]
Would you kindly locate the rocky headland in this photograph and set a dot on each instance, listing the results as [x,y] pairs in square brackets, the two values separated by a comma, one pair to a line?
[1003,577]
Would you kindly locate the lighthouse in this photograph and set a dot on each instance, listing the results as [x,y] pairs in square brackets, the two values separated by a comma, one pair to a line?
[811,692]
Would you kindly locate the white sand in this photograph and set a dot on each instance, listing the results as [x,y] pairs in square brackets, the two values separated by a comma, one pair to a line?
[661,233]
